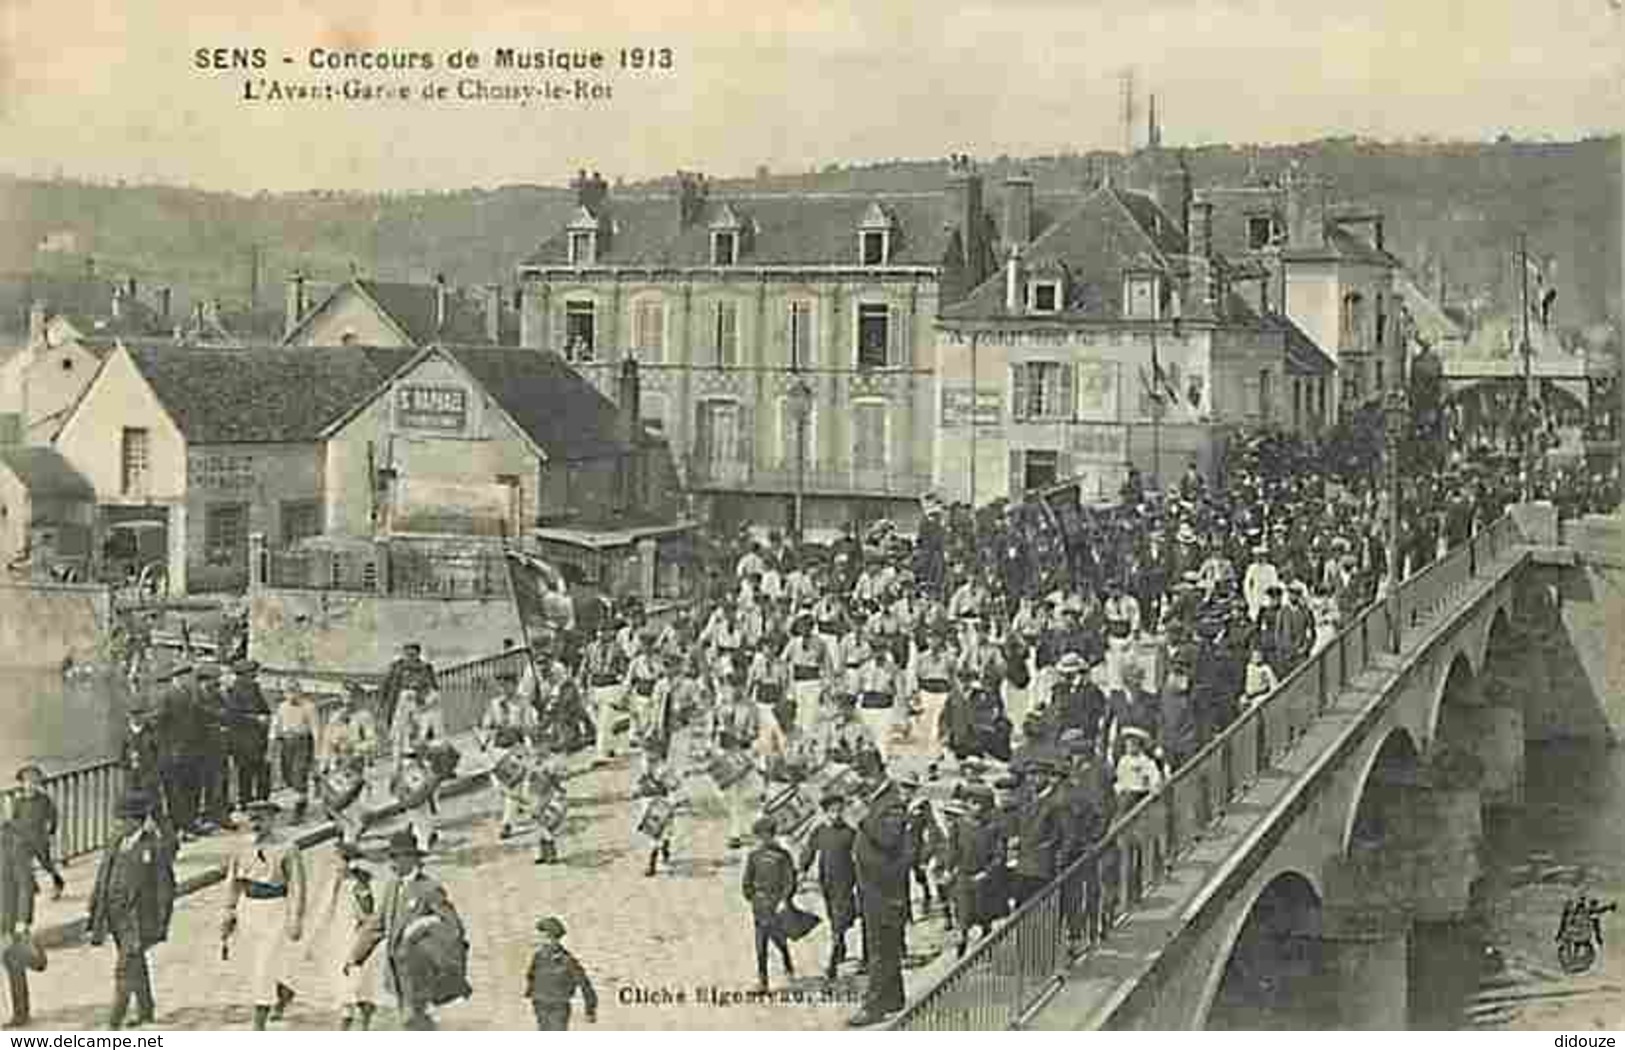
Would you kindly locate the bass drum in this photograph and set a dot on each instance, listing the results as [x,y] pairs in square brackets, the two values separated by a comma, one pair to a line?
[511,770]
[414,783]
[340,786]
[1576,956]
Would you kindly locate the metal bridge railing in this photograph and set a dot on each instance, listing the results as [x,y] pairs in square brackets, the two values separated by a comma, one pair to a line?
[1011,973]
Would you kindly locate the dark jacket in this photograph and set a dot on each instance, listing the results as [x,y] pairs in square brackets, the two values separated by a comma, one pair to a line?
[881,851]
[1039,830]
[831,846]
[554,976]
[17,886]
[769,878]
[247,715]
[134,893]
[35,816]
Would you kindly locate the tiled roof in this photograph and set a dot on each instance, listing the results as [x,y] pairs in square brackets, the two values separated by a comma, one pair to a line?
[413,309]
[86,302]
[1303,356]
[43,472]
[562,413]
[1109,232]
[783,229]
[261,393]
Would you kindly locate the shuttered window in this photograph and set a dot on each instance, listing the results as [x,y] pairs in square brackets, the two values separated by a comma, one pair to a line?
[725,334]
[800,339]
[1042,390]
[879,336]
[649,331]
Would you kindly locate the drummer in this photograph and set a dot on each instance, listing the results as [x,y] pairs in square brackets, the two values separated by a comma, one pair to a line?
[741,725]
[419,725]
[265,909]
[508,719]
[348,746]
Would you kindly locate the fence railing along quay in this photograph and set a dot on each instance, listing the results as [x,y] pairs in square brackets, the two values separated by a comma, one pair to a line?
[1005,978]
[87,798]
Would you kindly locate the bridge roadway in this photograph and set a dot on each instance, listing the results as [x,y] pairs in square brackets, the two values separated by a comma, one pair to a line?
[1277,880]
[682,929]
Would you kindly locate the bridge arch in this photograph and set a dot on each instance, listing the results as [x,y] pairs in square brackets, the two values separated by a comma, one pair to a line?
[1270,957]
[1393,768]
[1458,688]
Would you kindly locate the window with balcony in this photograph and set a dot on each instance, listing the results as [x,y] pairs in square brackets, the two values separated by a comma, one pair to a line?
[1041,390]
[580,329]
[649,330]
[134,461]
[876,334]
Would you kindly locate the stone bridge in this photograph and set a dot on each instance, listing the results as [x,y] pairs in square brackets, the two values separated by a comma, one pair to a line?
[1306,868]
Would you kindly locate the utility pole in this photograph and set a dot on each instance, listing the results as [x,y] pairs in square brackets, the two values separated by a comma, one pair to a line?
[1524,347]
[1157,393]
[975,398]
[1394,419]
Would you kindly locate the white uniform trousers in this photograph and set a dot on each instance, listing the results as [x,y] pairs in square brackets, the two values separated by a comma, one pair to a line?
[807,695]
[605,710]
[262,933]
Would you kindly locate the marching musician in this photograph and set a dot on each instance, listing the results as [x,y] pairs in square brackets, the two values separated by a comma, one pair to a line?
[877,690]
[265,905]
[655,815]
[606,666]
[740,726]
[811,665]
[643,672]
[419,725]
[349,745]
[933,678]
[294,727]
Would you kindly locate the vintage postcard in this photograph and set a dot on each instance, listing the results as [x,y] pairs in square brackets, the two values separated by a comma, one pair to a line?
[811,516]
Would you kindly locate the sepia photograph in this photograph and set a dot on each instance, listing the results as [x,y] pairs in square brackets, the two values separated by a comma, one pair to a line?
[1038,515]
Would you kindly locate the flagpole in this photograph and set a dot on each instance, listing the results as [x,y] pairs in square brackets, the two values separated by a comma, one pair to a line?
[1156,413]
[524,624]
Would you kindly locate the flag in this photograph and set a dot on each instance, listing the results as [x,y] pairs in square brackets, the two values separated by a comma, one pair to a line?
[540,596]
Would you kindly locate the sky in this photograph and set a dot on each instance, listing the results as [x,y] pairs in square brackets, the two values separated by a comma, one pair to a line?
[109,89]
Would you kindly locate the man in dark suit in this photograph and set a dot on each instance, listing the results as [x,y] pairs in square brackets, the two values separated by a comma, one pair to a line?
[421,935]
[881,853]
[831,845]
[17,890]
[133,899]
[247,719]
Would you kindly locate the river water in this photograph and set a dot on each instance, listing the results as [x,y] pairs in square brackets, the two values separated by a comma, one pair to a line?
[1568,830]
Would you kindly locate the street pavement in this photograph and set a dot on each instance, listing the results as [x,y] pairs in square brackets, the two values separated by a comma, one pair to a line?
[670,952]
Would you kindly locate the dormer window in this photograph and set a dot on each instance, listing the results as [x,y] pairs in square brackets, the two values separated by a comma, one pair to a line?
[1044,297]
[875,236]
[724,247]
[1141,297]
[876,247]
[583,247]
[1262,232]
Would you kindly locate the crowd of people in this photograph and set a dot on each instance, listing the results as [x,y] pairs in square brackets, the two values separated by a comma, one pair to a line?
[970,707]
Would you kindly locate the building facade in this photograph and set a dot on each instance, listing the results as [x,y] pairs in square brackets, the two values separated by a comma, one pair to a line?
[785,342]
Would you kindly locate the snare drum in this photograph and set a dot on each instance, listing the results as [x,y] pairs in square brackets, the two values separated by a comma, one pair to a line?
[655,820]
[510,770]
[552,813]
[340,786]
[414,783]
[727,768]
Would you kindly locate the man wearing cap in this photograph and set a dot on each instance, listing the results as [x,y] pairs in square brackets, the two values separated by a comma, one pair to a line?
[811,664]
[247,724]
[605,667]
[133,898]
[180,736]
[880,852]
[768,883]
[17,890]
[976,865]
[1085,813]
[831,846]
[212,772]
[934,680]
[1077,701]
[34,816]
[553,978]
[265,909]
[1260,577]
[925,839]
[425,946]
[1039,825]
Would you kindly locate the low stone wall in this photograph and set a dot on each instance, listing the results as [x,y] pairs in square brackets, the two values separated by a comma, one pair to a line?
[341,631]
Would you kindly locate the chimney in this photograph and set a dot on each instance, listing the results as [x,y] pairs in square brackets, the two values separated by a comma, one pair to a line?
[118,300]
[130,289]
[1172,190]
[1201,228]
[1305,216]
[36,322]
[691,194]
[493,314]
[440,293]
[163,305]
[629,390]
[965,210]
[1018,210]
[90,267]
[591,190]
[1376,232]
[1013,298]
[294,303]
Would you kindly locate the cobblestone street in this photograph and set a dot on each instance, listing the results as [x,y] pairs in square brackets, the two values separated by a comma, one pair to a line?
[644,941]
